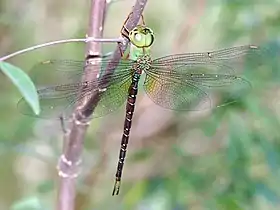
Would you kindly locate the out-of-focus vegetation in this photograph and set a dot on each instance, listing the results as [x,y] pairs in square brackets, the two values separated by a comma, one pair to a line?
[223,159]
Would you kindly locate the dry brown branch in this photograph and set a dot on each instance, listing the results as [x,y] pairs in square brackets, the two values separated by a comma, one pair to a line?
[74,137]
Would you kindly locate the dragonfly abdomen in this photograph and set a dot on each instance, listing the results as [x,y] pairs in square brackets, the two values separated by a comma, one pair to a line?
[130,105]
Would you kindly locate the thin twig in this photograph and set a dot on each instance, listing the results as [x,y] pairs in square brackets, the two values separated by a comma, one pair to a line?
[88,39]
[73,139]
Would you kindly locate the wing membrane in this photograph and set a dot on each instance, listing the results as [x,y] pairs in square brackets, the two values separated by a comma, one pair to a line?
[56,72]
[214,56]
[189,87]
[226,61]
[59,94]
[171,93]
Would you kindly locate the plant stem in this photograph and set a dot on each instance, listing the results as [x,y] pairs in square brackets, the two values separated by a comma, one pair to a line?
[73,139]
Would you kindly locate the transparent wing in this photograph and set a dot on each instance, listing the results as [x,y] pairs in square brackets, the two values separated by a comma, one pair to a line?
[227,61]
[186,81]
[190,87]
[59,89]
[175,94]
[224,56]
[56,72]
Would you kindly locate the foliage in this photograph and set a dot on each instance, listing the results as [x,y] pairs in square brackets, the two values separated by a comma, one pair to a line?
[23,83]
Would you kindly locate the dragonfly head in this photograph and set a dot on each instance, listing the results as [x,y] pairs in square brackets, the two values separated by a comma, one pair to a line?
[141,36]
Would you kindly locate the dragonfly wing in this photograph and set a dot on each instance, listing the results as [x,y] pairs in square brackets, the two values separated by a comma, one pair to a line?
[230,88]
[53,102]
[56,72]
[227,61]
[112,98]
[217,55]
[175,94]
[60,98]
[189,87]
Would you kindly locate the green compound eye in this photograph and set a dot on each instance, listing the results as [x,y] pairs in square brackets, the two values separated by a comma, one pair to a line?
[141,36]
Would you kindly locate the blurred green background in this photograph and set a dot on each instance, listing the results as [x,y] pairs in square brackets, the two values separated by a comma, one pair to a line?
[223,159]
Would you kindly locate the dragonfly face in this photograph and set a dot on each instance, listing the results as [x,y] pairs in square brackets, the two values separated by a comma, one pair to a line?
[141,36]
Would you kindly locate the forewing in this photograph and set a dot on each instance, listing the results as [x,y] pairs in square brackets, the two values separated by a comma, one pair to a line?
[217,55]
[56,72]
[60,92]
[227,61]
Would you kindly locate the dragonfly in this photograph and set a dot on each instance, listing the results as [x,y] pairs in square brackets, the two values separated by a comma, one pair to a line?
[180,82]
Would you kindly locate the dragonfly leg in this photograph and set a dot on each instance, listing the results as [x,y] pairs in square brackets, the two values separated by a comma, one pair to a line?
[62,123]
[124,33]
[120,49]
[124,30]
[142,18]
[143,21]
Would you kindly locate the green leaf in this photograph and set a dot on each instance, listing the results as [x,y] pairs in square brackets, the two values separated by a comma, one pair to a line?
[23,83]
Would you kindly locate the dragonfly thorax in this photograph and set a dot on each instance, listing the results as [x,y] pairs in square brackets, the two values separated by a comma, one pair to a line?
[143,63]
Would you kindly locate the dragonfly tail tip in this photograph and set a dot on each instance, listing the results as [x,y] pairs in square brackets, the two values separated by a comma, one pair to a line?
[116,189]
